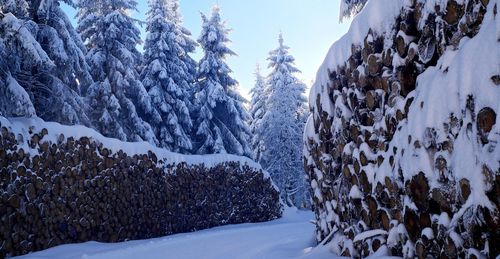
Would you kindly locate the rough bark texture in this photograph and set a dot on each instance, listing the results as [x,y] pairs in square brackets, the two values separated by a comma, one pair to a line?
[408,212]
[77,190]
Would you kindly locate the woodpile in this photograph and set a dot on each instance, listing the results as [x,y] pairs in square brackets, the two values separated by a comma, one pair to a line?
[413,215]
[77,190]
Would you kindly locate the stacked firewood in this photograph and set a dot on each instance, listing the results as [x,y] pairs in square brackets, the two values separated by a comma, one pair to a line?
[76,190]
[359,211]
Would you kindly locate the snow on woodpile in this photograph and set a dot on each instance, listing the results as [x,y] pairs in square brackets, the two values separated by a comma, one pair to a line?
[404,132]
[68,184]
[25,127]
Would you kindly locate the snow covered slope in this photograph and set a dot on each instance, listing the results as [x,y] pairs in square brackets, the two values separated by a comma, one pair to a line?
[402,147]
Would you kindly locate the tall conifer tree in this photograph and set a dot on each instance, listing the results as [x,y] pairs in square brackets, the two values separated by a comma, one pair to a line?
[119,103]
[45,67]
[282,125]
[257,110]
[221,118]
[168,74]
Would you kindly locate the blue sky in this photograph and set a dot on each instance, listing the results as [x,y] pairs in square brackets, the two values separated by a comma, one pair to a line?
[309,27]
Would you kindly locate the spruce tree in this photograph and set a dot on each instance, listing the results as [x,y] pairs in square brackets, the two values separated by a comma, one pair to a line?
[188,44]
[168,74]
[257,110]
[18,8]
[221,118]
[45,58]
[282,127]
[18,48]
[71,76]
[118,100]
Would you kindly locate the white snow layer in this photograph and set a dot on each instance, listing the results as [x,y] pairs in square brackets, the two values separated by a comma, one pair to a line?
[22,126]
[289,237]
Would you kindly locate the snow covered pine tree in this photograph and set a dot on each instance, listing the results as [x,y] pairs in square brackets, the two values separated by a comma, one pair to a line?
[220,115]
[257,111]
[119,103]
[282,127]
[18,47]
[38,39]
[168,74]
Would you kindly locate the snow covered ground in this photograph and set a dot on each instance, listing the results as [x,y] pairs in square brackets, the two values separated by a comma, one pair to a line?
[288,237]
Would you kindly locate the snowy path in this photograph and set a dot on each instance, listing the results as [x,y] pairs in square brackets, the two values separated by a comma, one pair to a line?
[289,237]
